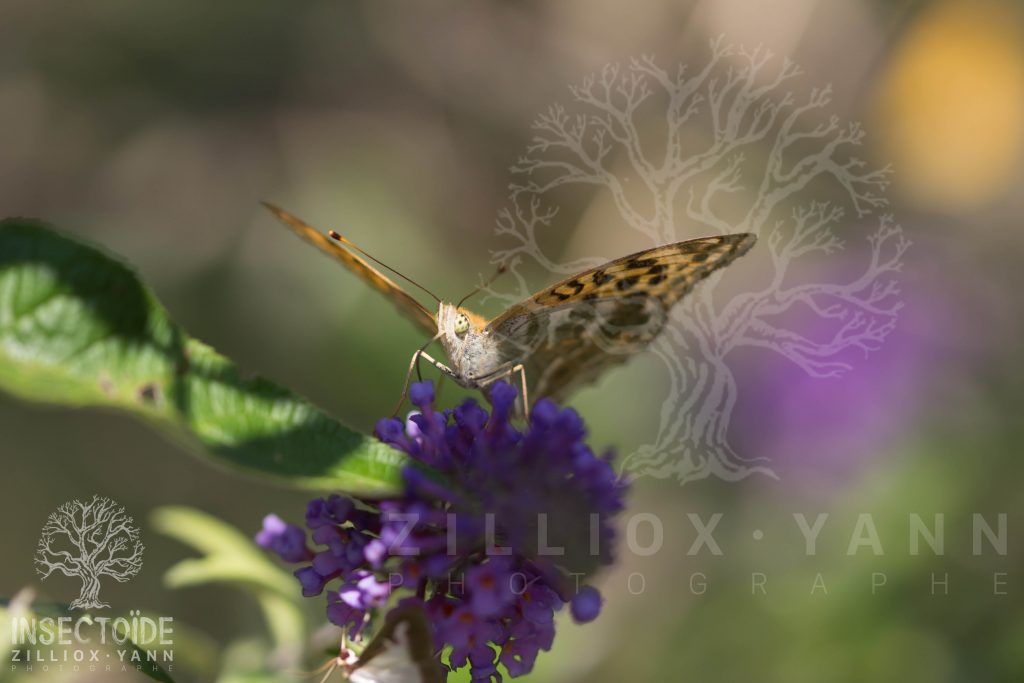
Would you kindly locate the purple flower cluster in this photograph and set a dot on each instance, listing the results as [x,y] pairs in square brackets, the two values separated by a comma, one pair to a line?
[491,536]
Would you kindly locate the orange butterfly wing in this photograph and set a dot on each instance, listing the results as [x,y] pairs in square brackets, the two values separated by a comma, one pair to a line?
[361,267]
[568,334]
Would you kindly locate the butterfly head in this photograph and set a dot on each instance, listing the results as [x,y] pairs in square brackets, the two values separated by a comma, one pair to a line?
[461,324]
[467,345]
[456,322]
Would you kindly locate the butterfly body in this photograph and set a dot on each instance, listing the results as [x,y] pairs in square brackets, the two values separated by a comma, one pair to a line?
[475,356]
[563,336]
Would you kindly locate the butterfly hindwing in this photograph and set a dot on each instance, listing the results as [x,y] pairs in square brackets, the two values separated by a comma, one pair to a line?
[361,267]
[570,332]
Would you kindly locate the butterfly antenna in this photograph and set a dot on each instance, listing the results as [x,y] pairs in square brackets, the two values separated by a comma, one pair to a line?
[338,238]
[502,269]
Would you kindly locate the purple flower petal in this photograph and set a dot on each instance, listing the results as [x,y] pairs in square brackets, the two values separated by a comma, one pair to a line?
[421,394]
[312,581]
[287,540]
[585,605]
[479,480]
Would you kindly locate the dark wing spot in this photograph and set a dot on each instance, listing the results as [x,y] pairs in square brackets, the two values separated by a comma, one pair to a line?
[641,262]
[574,288]
[601,278]
[655,279]
[581,313]
[626,283]
[570,329]
[682,280]
[629,314]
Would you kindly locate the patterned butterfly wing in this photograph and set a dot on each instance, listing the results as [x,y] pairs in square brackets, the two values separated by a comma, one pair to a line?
[571,332]
[361,267]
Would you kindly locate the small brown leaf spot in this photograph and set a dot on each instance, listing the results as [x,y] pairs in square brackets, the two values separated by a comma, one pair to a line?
[148,393]
[183,363]
[107,385]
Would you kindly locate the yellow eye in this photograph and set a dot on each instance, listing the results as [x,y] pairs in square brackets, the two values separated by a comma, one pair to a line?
[461,324]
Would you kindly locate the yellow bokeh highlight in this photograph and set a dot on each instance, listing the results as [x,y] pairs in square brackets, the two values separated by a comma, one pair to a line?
[950,105]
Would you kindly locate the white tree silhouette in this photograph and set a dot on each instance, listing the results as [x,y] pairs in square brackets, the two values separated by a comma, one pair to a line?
[90,540]
[755,132]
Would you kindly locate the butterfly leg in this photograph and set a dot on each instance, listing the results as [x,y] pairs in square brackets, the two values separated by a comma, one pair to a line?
[447,371]
[522,379]
[508,374]
[415,365]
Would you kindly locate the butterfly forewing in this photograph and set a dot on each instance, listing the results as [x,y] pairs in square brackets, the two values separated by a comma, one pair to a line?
[361,267]
[572,331]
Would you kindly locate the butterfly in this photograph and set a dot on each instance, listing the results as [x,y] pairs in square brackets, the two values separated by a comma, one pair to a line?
[401,652]
[563,336]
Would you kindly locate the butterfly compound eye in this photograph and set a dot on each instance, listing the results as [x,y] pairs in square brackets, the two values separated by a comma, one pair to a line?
[461,324]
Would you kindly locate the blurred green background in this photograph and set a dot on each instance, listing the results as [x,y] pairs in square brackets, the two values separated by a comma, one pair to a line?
[154,129]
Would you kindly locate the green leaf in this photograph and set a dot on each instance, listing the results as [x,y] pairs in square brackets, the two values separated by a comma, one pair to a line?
[232,558]
[228,555]
[78,328]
